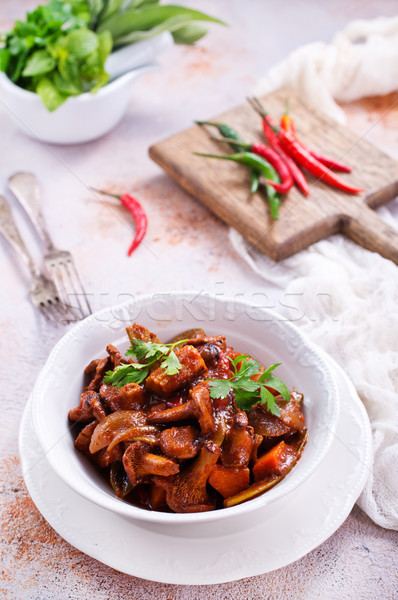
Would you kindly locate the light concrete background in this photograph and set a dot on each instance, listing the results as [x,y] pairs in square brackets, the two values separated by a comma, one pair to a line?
[185,247]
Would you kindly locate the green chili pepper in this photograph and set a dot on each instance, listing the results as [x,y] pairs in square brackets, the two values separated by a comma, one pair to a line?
[261,167]
[228,132]
[224,129]
[274,200]
[254,181]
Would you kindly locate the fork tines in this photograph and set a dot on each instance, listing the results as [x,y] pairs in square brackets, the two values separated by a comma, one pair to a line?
[62,271]
[45,297]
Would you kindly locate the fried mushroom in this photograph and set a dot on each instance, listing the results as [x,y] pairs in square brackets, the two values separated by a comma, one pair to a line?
[106,456]
[139,332]
[82,442]
[180,442]
[115,356]
[238,444]
[128,397]
[102,366]
[290,418]
[198,407]
[139,462]
[90,408]
[187,491]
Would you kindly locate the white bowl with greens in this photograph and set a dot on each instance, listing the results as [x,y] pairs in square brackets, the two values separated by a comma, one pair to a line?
[80,118]
[66,69]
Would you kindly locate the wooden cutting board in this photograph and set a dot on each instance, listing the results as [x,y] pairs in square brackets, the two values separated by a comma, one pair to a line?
[223,185]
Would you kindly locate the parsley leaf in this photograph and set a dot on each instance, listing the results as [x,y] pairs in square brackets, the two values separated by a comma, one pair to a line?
[128,373]
[219,388]
[278,385]
[150,352]
[269,399]
[248,391]
[171,364]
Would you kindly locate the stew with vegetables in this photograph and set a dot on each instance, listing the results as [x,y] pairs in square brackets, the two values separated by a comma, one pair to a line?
[187,426]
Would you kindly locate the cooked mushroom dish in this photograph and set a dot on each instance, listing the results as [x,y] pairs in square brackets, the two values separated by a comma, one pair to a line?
[187,426]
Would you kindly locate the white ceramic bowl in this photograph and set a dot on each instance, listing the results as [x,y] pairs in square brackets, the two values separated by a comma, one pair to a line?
[88,116]
[249,329]
[80,119]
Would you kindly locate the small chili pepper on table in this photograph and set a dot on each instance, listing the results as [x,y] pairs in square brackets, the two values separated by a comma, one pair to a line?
[137,212]
[261,166]
[287,124]
[270,134]
[233,136]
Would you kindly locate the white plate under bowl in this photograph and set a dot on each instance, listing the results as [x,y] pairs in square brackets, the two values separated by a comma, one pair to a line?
[212,553]
[250,329]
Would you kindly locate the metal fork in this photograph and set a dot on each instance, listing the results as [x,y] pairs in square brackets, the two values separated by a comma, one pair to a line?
[42,291]
[59,263]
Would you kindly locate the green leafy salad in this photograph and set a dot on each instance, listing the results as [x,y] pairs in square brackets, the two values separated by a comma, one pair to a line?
[60,49]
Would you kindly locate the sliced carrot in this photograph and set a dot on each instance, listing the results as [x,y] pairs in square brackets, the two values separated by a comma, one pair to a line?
[271,462]
[229,481]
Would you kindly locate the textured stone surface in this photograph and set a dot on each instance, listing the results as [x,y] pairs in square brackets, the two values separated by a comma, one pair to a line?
[186,247]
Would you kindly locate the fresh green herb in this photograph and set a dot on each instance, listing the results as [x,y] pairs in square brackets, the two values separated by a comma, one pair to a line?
[128,373]
[149,352]
[247,391]
[60,50]
[55,54]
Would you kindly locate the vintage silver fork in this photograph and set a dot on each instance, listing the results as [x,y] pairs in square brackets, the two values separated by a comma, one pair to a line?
[59,263]
[43,293]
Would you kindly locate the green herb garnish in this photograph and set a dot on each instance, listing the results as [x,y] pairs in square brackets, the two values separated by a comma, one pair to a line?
[247,391]
[149,352]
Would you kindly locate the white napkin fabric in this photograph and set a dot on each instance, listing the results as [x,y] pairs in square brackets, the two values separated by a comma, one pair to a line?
[343,297]
[361,61]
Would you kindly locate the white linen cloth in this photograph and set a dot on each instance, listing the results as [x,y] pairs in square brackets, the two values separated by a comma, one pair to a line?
[345,297]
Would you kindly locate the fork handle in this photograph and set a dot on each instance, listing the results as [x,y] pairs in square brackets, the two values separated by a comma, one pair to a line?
[10,232]
[25,188]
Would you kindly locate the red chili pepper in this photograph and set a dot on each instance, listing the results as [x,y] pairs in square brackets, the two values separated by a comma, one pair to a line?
[272,139]
[269,130]
[301,155]
[274,160]
[138,214]
[330,163]
[287,124]
[279,165]
[140,218]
